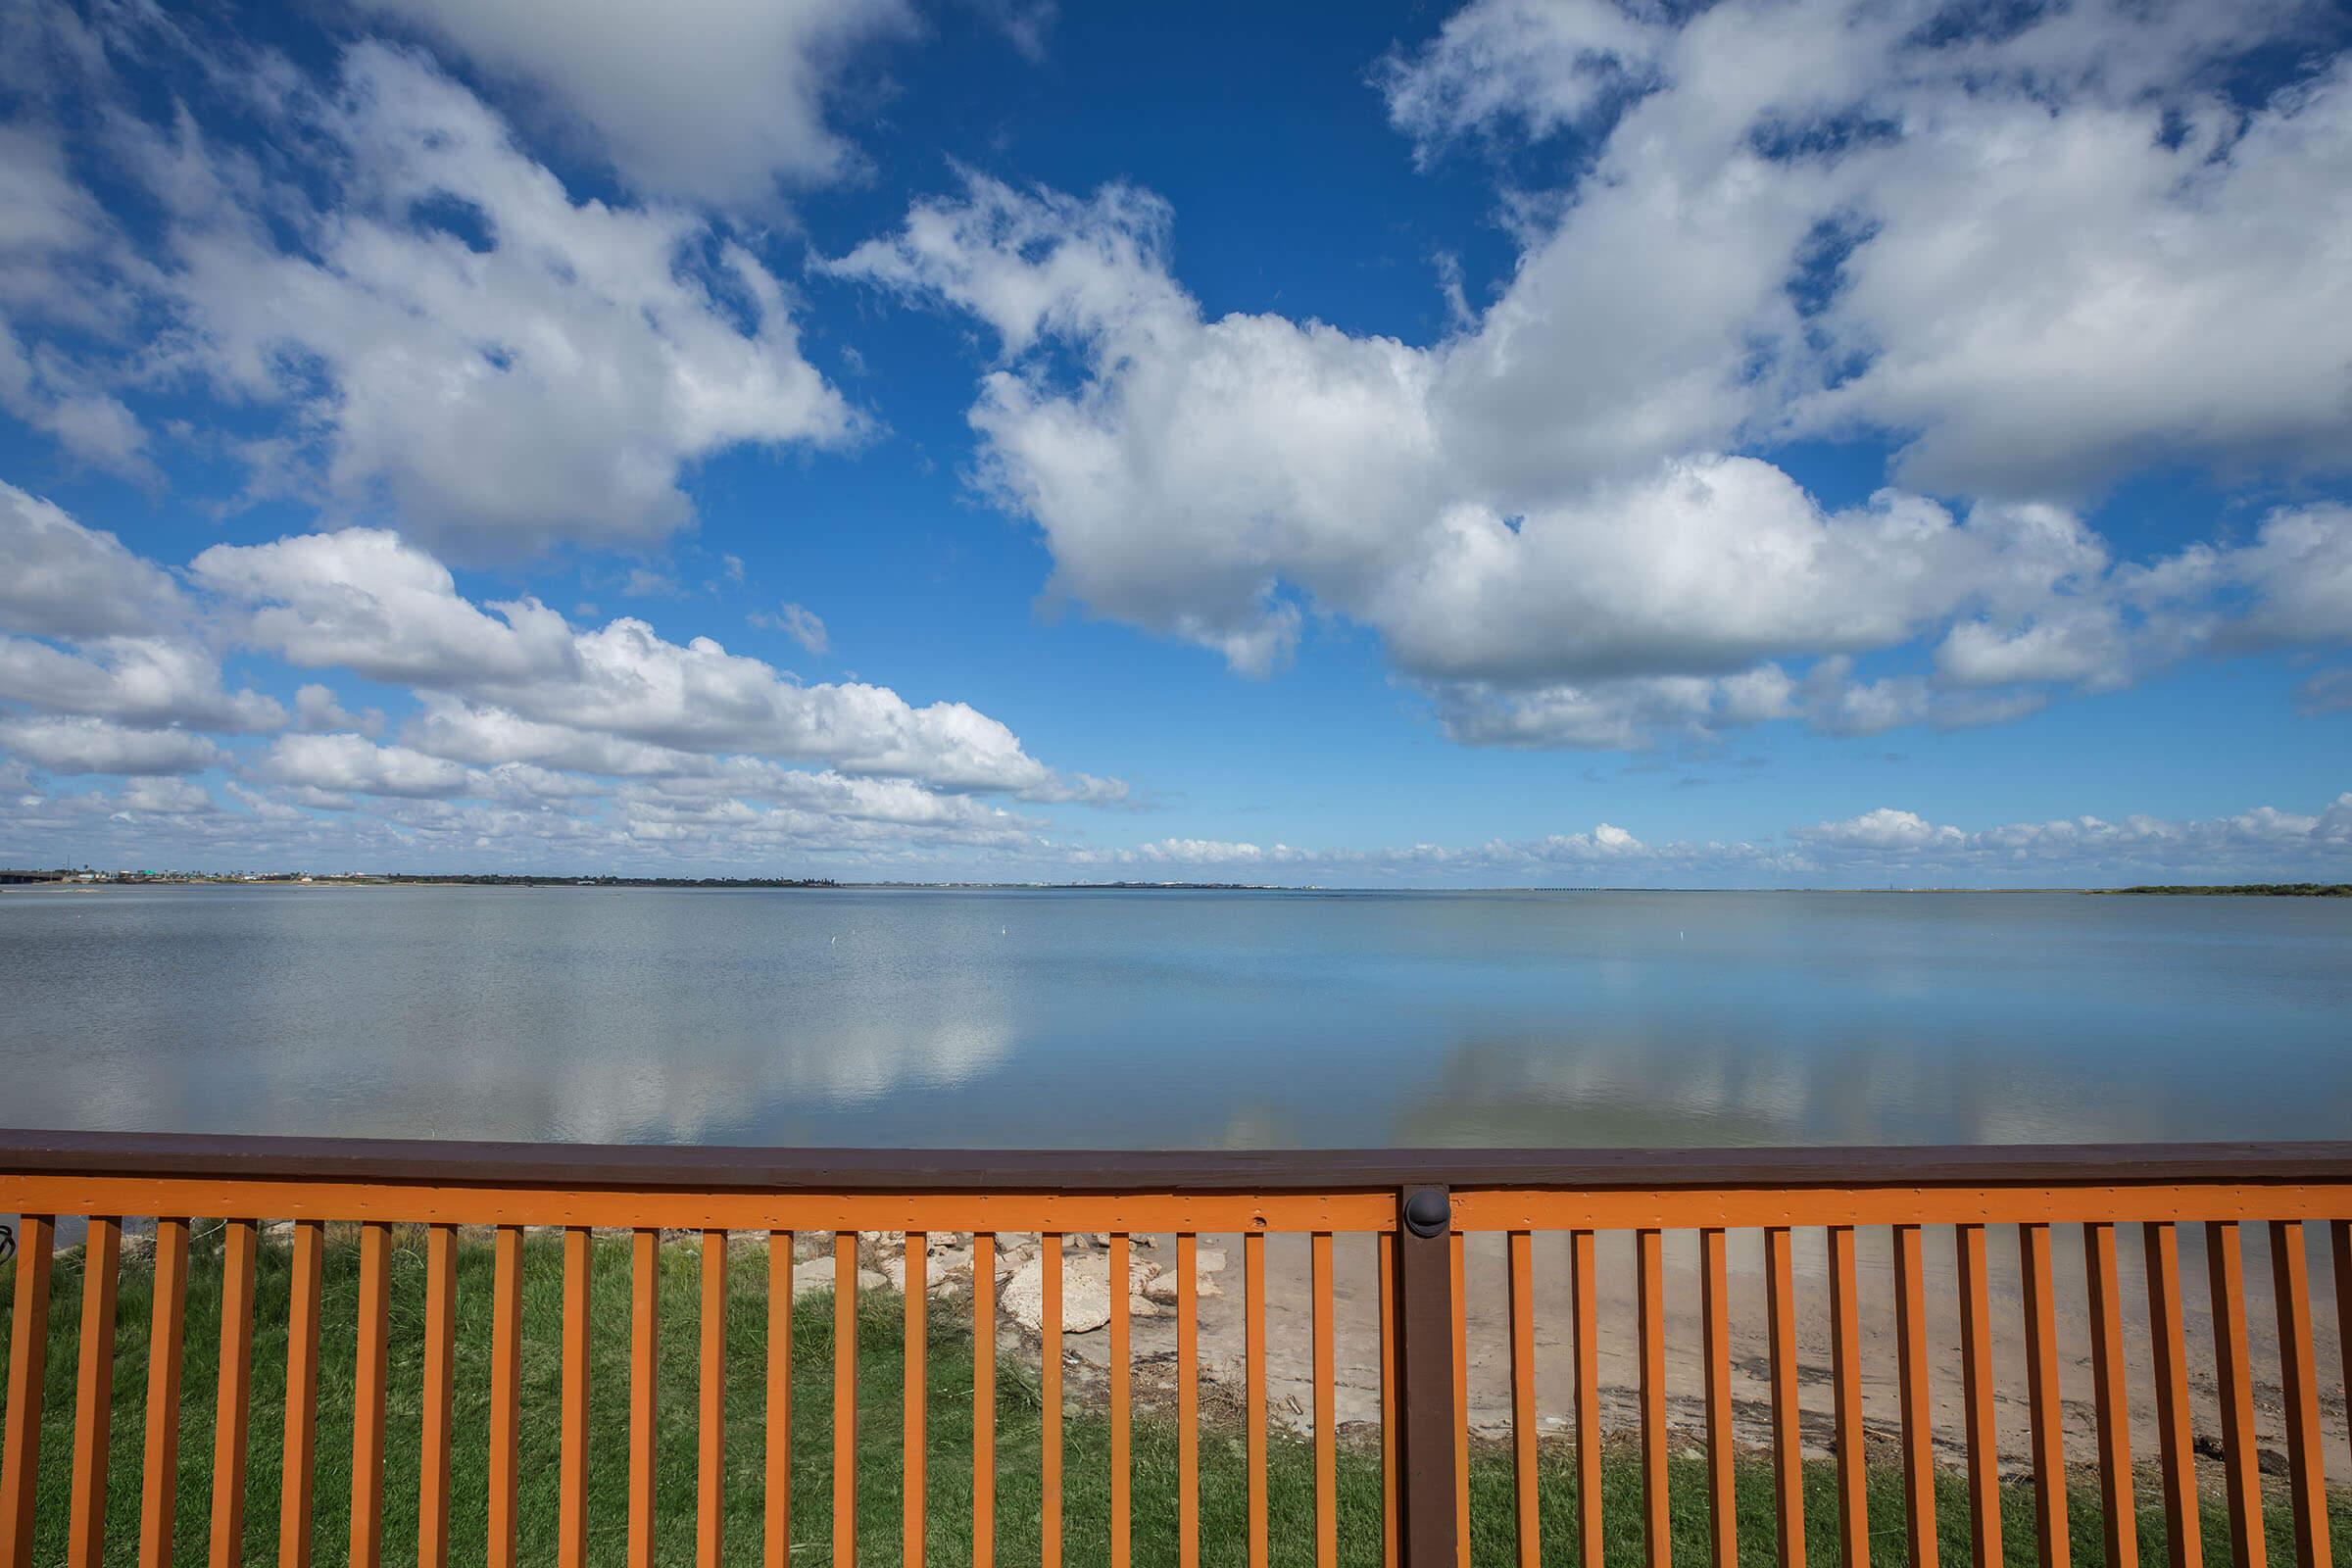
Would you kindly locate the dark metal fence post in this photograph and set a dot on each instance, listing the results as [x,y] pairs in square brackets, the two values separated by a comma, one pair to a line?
[1424,1370]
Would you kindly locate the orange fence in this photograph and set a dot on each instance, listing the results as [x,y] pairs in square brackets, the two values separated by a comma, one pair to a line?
[1416,1213]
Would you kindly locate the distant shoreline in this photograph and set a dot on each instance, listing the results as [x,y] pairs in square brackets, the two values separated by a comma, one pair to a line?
[13,880]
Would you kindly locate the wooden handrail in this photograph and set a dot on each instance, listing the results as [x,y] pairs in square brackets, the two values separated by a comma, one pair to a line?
[709,1168]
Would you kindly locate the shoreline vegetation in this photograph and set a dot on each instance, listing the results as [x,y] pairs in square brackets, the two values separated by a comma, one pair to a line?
[2242,890]
[79,879]
[880,1366]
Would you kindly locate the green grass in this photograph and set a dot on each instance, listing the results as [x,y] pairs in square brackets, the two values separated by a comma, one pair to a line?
[1086,1492]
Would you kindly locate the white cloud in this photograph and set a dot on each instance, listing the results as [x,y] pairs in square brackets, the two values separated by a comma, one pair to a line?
[48,392]
[711,100]
[66,580]
[318,712]
[804,626]
[146,681]
[1542,514]
[1539,64]
[366,601]
[1884,829]
[95,745]
[529,736]
[352,764]
[449,338]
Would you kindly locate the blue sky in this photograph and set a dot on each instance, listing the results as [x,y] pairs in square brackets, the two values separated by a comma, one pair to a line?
[1784,442]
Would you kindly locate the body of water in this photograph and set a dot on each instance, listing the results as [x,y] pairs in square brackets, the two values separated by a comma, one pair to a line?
[1176,1019]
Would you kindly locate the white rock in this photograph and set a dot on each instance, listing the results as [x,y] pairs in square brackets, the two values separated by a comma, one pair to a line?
[1141,1305]
[1084,1292]
[1209,1261]
[1161,1285]
[949,1271]
[817,1275]
[942,1271]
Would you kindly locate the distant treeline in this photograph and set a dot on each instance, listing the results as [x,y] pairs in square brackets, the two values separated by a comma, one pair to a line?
[609,881]
[2251,890]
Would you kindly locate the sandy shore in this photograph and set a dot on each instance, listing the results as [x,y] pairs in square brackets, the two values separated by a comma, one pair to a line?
[1356,1332]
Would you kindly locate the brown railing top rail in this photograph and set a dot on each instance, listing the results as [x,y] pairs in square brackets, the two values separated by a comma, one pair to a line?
[642,1166]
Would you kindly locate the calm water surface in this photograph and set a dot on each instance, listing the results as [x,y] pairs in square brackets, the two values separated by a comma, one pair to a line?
[1167,1019]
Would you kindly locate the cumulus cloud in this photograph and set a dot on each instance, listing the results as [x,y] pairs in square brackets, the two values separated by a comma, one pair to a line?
[146,681]
[1547,515]
[353,765]
[367,601]
[318,712]
[527,734]
[715,101]
[453,340]
[95,745]
[66,580]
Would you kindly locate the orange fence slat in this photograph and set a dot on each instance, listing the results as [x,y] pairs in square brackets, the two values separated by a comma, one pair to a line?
[2226,1271]
[239,1241]
[913,1427]
[2306,1469]
[1586,1329]
[571,1473]
[27,1384]
[299,1455]
[1977,1392]
[645,1383]
[984,1401]
[94,1391]
[1911,1380]
[1458,1260]
[1390,1548]
[845,1399]
[710,1450]
[777,1503]
[1326,1402]
[1523,1399]
[368,1369]
[2047,1421]
[440,1358]
[1049,1445]
[159,1492]
[1715,1309]
[1253,1390]
[2185,1547]
[1658,1537]
[2109,1398]
[1121,1516]
[1845,1378]
[28,1366]
[1788,1451]
[1187,1402]
[506,1393]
